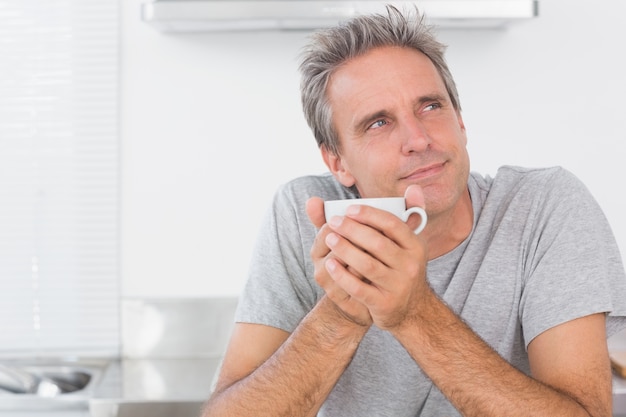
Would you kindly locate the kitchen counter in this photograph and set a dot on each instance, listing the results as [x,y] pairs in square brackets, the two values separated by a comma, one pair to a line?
[173,387]
[619,396]
[170,360]
[184,383]
[179,387]
[618,343]
[171,351]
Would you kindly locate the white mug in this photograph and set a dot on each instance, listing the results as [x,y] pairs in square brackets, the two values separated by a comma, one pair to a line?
[394,205]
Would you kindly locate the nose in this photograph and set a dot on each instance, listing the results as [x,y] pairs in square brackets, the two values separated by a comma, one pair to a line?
[415,137]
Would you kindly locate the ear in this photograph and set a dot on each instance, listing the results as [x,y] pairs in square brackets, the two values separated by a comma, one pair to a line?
[459,118]
[337,167]
[461,125]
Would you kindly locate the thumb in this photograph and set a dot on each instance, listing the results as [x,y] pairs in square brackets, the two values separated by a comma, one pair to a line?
[414,196]
[315,211]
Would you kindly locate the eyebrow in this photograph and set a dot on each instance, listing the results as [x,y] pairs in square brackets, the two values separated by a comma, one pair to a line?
[433,97]
[368,119]
[364,122]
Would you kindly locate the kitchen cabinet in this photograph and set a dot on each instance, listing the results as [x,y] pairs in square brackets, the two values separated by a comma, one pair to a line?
[217,15]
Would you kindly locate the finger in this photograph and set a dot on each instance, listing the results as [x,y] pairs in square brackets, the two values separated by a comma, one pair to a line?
[358,274]
[315,211]
[381,221]
[373,256]
[414,197]
[347,283]
[320,249]
[350,307]
[334,291]
[377,232]
[353,247]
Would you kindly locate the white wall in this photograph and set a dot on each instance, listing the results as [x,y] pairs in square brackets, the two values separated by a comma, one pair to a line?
[211,125]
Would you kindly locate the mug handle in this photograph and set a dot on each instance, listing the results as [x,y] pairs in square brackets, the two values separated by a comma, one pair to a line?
[407,213]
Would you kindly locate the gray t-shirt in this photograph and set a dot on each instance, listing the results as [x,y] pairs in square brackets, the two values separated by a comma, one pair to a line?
[541,253]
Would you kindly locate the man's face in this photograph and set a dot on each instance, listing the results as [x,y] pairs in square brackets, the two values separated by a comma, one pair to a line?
[397,127]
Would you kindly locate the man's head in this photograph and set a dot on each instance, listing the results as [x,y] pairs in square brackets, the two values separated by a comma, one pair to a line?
[331,48]
[384,109]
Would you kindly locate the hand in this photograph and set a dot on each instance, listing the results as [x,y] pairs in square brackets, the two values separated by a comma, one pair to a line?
[387,261]
[320,254]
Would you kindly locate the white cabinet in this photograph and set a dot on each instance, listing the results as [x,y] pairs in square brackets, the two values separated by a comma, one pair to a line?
[216,15]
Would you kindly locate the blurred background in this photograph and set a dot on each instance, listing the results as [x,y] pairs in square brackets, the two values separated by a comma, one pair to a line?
[137,163]
[213,118]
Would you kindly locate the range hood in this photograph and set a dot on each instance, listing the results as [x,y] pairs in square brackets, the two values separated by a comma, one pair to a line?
[229,15]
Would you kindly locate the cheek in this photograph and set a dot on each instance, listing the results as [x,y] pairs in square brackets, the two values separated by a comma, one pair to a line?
[371,175]
[373,164]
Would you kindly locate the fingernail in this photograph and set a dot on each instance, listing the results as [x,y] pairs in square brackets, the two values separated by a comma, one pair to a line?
[330,265]
[353,209]
[335,221]
[331,240]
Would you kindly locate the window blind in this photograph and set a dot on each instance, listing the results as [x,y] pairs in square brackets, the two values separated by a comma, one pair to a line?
[59,179]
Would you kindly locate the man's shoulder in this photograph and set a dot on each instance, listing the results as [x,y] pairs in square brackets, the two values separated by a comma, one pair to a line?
[516,178]
[526,188]
[513,171]
[323,185]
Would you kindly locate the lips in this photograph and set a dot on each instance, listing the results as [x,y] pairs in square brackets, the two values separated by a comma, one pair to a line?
[425,172]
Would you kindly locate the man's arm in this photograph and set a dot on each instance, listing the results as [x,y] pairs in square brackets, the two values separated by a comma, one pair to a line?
[569,363]
[573,358]
[267,372]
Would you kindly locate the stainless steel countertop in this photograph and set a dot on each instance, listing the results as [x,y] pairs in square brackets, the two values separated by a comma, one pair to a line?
[159,379]
[174,387]
[170,360]
[179,387]
[134,387]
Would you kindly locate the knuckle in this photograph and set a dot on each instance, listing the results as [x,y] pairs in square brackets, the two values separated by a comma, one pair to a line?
[369,266]
[320,276]
[378,245]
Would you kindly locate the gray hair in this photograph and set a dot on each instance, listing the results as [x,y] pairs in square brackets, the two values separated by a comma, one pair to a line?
[330,48]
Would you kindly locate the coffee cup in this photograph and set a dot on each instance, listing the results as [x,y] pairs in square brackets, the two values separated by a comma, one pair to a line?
[394,205]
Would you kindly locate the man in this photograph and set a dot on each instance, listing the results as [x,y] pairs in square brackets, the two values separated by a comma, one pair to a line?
[500,307]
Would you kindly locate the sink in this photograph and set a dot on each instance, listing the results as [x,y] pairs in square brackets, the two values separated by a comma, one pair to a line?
[42,381]
[48,384]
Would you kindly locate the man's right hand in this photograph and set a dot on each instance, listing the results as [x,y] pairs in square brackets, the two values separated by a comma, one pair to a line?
[320,253]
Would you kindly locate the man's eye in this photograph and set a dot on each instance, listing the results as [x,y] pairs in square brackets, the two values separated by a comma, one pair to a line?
[378,123]
[432,106]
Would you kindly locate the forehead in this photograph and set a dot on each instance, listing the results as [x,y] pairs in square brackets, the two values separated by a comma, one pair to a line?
[385,71]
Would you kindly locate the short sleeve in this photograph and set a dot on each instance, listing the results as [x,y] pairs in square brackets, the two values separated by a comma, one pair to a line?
[280,289]
[573,267]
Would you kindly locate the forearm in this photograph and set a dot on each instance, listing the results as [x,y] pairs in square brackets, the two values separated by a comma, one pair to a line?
[298,377]
[473,376]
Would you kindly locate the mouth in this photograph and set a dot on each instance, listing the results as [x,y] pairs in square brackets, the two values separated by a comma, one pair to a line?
[426,172]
